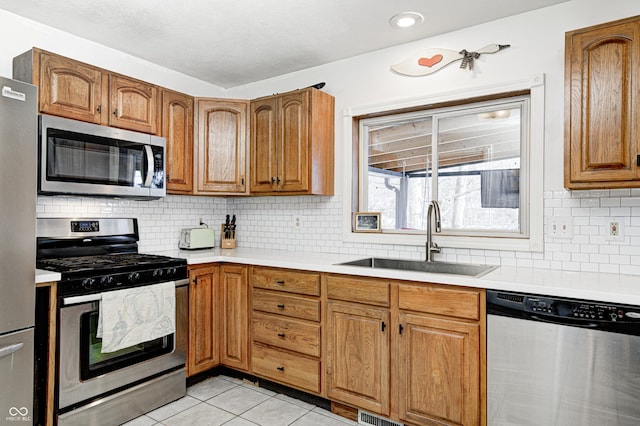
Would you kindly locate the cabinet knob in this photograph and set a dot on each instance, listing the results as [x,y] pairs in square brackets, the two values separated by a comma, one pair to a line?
[115,112]
[99,109]
[273,180]
[280,368]
[280,334]
[281,282]
[281,306]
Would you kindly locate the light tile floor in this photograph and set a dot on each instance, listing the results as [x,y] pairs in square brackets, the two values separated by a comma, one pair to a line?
[224,400]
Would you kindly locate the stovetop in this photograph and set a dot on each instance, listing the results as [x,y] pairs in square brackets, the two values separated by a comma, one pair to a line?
[77,266]
[92,274]
[100,254]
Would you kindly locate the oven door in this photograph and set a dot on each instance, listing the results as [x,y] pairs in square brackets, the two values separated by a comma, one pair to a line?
[85,373]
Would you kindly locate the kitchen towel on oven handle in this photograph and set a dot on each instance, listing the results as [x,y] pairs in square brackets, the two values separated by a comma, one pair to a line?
[131,316]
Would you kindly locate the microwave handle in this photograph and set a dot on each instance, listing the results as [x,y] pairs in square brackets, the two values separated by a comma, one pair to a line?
[150,166]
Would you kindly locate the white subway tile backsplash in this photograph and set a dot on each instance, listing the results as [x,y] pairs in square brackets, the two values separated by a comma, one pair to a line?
[268,223]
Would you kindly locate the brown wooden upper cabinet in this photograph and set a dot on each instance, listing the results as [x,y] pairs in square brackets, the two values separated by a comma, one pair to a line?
[133,104]
[76,90]
[292,143]
[602,107]
[177,129]
[221,146]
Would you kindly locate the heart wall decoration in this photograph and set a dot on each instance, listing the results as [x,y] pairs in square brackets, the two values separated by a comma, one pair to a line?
[429,61]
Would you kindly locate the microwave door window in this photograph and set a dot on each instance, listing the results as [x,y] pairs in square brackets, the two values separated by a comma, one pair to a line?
[130,165]
[94,162]
[74,161]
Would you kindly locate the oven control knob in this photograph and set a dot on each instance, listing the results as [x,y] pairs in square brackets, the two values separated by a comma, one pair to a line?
[158,273]
[89,283]
[134,276]
[108,279]
[171,271]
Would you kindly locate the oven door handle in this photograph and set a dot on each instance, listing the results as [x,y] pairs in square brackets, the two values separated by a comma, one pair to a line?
[8,350]
[74,300]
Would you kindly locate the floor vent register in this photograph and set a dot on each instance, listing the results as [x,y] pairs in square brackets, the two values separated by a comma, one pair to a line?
[365,418]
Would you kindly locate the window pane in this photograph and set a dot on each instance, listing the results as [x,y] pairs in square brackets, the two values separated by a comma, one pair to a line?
[398,154]
[479,170]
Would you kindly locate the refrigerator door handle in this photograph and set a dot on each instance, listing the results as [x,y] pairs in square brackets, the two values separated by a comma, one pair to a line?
[8,350]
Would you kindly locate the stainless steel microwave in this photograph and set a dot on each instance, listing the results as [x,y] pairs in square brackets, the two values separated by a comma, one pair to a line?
[81,158]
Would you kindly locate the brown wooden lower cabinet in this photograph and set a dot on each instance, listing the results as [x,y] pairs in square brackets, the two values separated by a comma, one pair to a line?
[286,327]
[234,307]
[218,318]
[357,355]
[287,367]
[438,374]
[203,350]
[420,361]
[412,352]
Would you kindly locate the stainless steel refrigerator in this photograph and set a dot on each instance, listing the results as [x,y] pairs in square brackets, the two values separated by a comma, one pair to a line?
[18,158]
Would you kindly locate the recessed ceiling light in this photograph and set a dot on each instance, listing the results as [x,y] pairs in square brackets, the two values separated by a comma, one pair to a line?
[406,20]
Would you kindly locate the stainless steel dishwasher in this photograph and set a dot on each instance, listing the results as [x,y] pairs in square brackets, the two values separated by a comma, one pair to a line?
[563,362]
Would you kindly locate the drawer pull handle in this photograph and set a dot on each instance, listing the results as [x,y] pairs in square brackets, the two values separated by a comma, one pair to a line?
[281,282]
[281,306]
[400,328]
[383,326]
[280,334]
[280,368]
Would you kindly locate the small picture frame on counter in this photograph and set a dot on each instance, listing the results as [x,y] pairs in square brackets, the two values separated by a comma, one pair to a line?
[367,222]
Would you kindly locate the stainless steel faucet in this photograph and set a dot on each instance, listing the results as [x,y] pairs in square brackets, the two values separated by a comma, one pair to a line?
[431,246]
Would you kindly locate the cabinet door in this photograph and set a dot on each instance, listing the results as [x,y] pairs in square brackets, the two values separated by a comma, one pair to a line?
[439,371]
[293,142]
[358,356]
[177,128]
[221,145]
[235,316]
[70,89]
[263,145]
[602,79]
[203,350]
[133,104]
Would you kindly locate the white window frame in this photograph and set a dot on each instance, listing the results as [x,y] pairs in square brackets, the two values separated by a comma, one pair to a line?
[535,85]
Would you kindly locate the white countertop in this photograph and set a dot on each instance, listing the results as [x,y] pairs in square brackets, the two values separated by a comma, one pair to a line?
[46,276]
[612,288]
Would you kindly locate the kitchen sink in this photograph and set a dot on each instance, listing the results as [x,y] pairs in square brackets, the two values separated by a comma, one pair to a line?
[422,266]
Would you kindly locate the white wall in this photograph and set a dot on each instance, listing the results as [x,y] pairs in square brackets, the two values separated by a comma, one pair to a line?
[537,46]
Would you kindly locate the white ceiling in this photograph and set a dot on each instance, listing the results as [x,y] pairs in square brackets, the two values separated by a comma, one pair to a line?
[233,42]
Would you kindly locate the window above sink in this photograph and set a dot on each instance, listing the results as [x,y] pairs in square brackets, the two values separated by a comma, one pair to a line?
[477,152]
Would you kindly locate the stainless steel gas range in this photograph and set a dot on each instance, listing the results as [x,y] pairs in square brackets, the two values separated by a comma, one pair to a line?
[122,320]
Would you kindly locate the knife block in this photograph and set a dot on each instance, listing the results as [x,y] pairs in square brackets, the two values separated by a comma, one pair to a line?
[227,243]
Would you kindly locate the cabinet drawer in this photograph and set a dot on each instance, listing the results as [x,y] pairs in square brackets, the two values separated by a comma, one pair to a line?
[359,290]
[286,304]
[286,333]
[285,367]
[290,281]
[441,300]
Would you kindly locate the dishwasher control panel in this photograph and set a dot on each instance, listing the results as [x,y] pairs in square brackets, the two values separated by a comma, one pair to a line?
[547,308]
